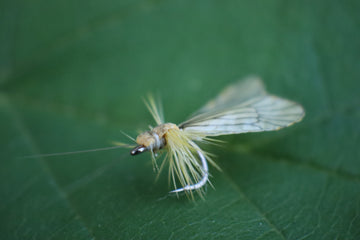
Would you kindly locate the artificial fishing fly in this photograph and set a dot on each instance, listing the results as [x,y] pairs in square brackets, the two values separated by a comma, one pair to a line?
[242,107]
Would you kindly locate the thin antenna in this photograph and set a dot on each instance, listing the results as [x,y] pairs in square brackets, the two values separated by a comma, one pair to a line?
[74,152]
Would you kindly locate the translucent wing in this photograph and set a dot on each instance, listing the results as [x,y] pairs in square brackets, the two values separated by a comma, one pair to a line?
[244,107]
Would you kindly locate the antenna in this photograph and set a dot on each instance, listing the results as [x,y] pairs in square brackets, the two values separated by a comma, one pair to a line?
[73,152]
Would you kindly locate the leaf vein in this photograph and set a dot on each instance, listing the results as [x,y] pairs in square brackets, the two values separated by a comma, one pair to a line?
[45,167]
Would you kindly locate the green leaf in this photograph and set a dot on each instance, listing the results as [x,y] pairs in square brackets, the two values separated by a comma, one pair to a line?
[73,74]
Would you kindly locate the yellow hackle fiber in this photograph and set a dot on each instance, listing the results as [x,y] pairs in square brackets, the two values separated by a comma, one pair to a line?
[183,158]
[182,155]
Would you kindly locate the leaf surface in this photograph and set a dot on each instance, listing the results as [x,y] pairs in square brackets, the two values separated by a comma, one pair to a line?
[72,76]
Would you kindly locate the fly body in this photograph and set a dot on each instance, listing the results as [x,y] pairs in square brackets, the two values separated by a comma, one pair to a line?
[155,139]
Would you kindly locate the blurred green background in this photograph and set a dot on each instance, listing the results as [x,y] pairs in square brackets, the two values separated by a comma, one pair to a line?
[73,74]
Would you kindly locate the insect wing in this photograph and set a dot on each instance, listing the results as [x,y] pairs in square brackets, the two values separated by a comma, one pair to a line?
[244,107]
